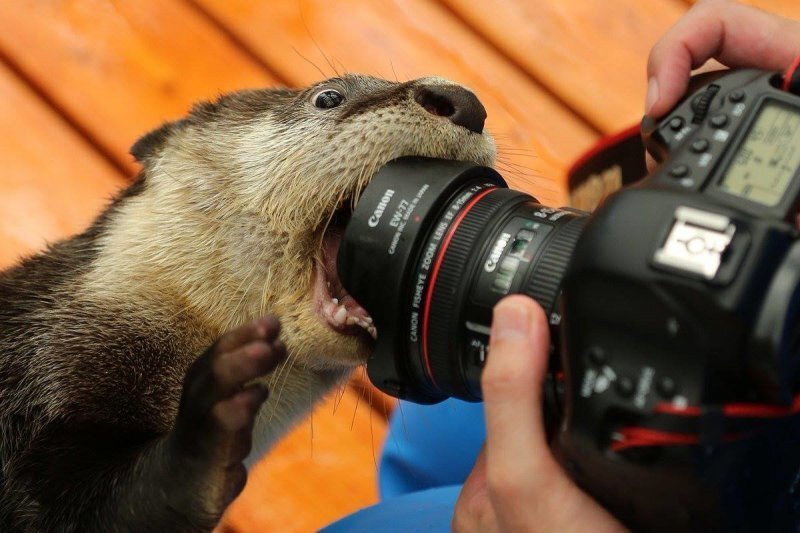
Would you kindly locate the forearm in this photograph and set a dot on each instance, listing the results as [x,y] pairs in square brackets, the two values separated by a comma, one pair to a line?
[162,491]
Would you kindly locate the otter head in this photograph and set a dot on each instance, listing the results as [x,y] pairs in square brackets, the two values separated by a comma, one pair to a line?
[251,194]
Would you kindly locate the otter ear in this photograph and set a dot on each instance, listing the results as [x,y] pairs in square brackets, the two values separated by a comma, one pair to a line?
[150,144]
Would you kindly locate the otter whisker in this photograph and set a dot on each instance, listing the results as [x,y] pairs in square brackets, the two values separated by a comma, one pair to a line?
[506,159]
[355,409]
[520,170]
[273,389]
[344,68]
[402,418]
[304,58]
[312,432]
[371,431]
[517,153]
[339,396]
[234,318]
[288,372]
[316,44]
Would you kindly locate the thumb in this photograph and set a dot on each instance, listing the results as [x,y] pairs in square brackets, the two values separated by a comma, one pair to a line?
[475,485]
[512,385]
[525,483]
[474,511]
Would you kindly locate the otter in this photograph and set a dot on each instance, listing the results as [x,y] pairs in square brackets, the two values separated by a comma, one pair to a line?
[136,357]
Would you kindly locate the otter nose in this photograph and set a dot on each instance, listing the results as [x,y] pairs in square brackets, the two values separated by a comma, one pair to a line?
[456,103]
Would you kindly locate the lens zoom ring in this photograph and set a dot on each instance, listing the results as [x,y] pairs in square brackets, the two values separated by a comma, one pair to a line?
[445,307]
[545,281]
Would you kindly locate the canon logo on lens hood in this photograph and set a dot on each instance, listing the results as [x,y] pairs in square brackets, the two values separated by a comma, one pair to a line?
[376,215]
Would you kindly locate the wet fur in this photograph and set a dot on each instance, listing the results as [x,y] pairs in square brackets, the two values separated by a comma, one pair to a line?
[223,224]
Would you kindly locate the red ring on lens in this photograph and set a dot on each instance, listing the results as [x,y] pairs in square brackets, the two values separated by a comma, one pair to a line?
[435,274]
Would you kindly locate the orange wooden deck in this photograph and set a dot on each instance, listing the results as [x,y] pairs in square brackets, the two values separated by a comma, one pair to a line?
[80,80]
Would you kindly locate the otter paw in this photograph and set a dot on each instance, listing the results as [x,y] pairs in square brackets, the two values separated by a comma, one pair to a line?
[213,431]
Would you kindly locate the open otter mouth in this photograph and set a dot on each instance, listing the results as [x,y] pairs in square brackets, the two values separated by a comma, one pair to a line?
[340,310]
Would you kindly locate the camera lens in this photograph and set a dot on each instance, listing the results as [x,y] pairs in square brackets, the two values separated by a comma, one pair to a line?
[431,247]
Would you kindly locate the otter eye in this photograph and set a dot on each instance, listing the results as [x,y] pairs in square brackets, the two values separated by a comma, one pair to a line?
[327,99]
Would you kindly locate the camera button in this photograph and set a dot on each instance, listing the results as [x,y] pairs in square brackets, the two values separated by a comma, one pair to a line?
[736,97]
[667,388]
[720,120]
[679,171]
[597,356]
[624,386]
[676,123]
[700,146]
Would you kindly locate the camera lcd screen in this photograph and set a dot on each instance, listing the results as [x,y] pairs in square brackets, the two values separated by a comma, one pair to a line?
[768,157]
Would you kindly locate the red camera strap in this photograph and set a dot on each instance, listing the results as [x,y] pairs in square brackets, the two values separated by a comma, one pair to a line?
[791,78]
[625,149]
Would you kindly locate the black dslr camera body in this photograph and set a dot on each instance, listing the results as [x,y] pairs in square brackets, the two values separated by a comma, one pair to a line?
[673,307]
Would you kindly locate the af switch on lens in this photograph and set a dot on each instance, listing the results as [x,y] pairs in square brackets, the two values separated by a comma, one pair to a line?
[505,274]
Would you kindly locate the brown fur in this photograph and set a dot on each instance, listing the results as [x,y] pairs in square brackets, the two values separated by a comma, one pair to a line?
[223,225]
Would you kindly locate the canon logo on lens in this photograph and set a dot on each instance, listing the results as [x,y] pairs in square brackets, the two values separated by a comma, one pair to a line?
[497,251]
[376,215]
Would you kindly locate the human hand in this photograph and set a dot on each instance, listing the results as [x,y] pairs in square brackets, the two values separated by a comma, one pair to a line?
[736,35]
[516,483]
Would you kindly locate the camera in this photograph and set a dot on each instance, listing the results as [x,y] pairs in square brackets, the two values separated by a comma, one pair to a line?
[673,308]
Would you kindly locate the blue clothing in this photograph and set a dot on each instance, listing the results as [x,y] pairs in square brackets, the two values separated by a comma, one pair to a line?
[428,454]
[430,446]
[428,511]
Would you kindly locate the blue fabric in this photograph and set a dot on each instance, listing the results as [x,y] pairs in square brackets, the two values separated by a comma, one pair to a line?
[428,454]
[426,511]
[430,446]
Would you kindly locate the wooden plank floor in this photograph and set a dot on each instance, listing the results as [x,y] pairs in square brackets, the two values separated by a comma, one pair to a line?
[80,80]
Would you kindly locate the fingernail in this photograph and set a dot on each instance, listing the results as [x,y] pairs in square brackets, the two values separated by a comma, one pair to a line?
[652,95]
[511,321]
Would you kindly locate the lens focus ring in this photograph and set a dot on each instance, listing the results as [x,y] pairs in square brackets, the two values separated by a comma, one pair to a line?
[544,283]
[446,294]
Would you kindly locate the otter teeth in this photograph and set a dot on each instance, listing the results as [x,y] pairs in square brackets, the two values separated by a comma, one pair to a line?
[340,317]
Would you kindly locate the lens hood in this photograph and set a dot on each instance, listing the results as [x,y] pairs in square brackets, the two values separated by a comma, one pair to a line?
[399,209]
